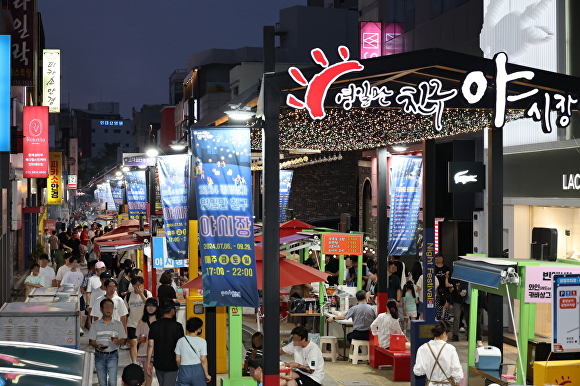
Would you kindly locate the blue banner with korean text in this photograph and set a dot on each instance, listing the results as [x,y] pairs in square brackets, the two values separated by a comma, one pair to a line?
[117,191]
[136,194]
[285,186]
[405,189]
[174,189]
[224,206]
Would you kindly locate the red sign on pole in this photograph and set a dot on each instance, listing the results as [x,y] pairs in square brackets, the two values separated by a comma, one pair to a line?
[342,244]
[35,148]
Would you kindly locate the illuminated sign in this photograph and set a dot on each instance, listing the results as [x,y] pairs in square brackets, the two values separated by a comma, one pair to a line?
[342,244]
[54,183]
[392,45]
[466,177]
[370,40]
[4,93]
[72,181]
[73,165]
[23,32]
[111,123]
[51,80]
[428,98]
[35,143]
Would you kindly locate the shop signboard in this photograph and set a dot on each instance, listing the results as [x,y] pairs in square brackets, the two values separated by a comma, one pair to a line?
[539,281]
[35,143]
[370,39]
[72,181]
[174,187]
[23,33]
[223,190]
[466,177]
[429,97]
[342,244]
[51,80]
[565,313]
[54,183]
[4,92]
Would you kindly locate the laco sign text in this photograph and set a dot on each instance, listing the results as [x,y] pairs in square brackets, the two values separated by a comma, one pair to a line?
[571,181]
[428,98]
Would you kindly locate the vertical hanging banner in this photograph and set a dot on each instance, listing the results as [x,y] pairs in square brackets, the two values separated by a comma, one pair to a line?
[35,143]
[54,183]
[117,192]
[108,195]
[51,80]
[405,186]
[285,186]
[5,93]
[73,165]
[224,207]
[370,39]
[22,41]
[174,187]
[136,194]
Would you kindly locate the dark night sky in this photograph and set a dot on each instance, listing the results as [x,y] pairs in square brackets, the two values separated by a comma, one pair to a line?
[125,50]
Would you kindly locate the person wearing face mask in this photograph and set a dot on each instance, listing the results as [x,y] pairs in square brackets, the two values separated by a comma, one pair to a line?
[191,356]
[149,316]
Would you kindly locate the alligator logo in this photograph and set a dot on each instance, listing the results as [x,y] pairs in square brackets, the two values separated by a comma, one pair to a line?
[318,86]
[462,178]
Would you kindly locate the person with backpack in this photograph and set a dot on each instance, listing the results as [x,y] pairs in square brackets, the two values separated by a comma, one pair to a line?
[135,302]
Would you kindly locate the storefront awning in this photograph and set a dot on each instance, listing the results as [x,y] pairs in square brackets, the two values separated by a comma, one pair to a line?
[119,248]
[482,270]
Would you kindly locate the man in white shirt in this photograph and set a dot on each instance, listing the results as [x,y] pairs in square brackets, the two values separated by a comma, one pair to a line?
[74,276]
[308,365]
[62,270]
[46,271]
[95,281]
[99,291]
[120,312]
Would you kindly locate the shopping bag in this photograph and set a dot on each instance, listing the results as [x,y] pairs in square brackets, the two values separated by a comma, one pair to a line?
[397,342]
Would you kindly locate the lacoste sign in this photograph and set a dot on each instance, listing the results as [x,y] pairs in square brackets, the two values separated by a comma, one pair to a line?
[466,177]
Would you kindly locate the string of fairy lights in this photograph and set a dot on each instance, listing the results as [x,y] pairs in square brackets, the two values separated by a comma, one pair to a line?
[368,128]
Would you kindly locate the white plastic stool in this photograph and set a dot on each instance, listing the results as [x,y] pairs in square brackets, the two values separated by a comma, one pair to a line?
[333,342]
[354,355]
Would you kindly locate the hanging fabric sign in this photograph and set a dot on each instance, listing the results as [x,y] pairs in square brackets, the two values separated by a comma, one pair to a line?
[285,186]
[406,182]
[174,188]
[224,208]
[136,197]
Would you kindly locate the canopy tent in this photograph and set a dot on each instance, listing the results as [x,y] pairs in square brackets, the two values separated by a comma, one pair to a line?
[121,239]
[288,228]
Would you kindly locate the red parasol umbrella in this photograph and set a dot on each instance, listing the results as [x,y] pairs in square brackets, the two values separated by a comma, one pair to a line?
[288,228]
[291,273]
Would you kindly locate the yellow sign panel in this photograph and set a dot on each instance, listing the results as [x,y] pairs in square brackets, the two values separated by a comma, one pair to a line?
[54,183]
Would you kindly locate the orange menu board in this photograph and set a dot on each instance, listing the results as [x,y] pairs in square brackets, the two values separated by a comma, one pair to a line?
[342,244]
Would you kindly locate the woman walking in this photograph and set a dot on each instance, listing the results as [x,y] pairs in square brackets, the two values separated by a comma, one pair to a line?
[191,356]
[438,360]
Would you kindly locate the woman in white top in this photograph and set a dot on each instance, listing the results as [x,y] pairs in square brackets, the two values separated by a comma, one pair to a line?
[438,360]
[386,324]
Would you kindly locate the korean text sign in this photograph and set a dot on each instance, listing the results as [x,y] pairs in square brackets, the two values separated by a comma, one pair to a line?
[565,313]
[54,183]
[224,206]
[539,281]
[342,244]
[35,142]
[136,196]
[174,187]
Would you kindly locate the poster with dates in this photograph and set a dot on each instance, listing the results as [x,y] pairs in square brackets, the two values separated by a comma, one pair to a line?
[223,190]
[285,186]
[174,188]
[565,313]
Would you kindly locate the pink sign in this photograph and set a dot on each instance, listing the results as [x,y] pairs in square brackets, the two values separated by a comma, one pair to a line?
[393,43]
[370,40]
[539,281]
[35,143]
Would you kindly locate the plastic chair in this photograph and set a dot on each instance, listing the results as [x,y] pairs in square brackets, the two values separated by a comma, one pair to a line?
[327,352]
[354,354]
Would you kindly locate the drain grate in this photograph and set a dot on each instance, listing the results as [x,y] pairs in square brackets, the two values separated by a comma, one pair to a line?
[355,383]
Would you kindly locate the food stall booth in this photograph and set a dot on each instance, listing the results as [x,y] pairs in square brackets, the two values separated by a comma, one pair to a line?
[528,282]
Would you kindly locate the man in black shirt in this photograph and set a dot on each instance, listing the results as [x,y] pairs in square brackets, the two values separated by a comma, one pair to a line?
[331,268]
[442,272]
[163,337]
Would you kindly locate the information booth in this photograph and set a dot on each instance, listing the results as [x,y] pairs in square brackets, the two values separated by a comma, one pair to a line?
[530,282]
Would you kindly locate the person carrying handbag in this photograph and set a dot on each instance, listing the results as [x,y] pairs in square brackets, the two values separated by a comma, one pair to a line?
[191,356]
[438,360]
